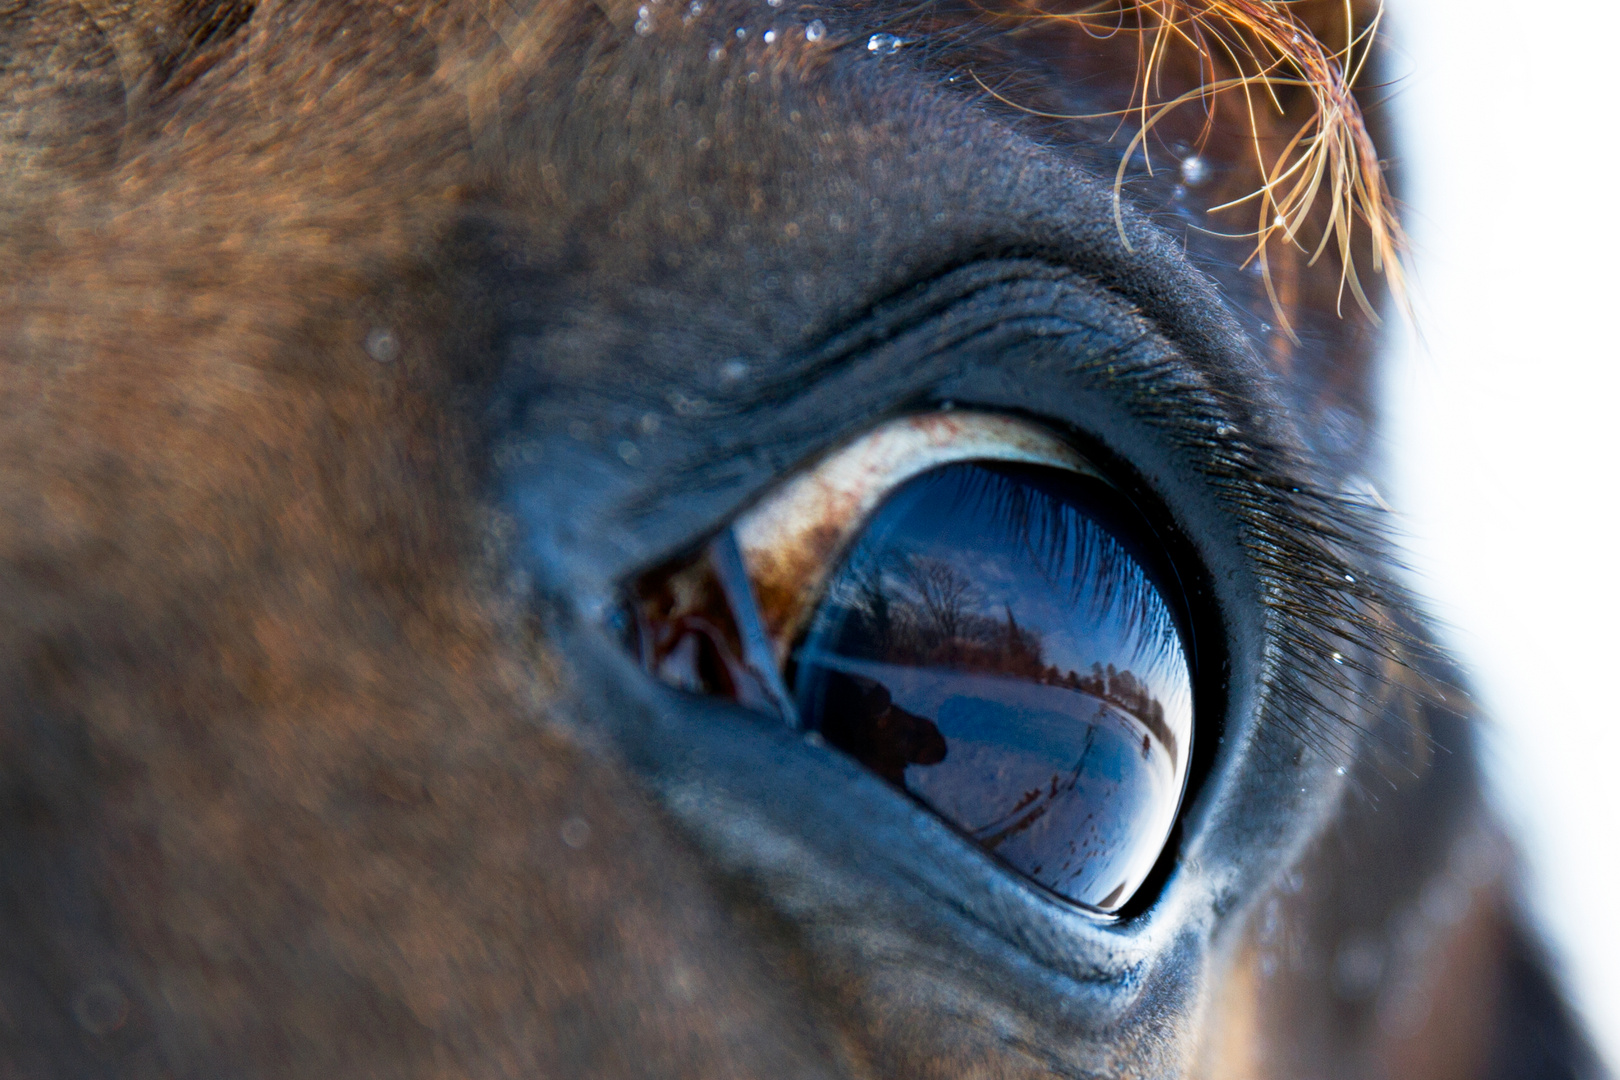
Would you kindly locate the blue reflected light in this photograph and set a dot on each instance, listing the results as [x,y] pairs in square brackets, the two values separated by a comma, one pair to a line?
[992,646]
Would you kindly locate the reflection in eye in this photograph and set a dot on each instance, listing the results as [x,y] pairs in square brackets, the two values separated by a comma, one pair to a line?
[993,649]
[983,634]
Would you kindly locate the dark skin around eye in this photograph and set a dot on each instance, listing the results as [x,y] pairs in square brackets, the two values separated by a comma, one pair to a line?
[355,355]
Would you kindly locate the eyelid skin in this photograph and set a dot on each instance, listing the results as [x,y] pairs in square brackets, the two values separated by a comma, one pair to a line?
[792,542]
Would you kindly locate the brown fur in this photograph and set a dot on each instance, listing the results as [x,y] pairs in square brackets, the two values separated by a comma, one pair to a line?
[267,728]
[288,781]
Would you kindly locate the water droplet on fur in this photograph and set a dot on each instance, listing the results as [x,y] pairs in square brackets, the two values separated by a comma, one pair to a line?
[815,31]
[1339,771]
[1358,966]
[1194,171]
[693,10]
[575,832]
[770,37]
[101,1008]
[1338,658]
[1270,921]
[1351,578]
[1265,328]
[1445,901]
[716,53]
[883,44]
[644,24]
[687,406]
[733,370]
[742,33]
[773,3]
[381,345]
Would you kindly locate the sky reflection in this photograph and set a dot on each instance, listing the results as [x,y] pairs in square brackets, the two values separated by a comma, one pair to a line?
[993,648]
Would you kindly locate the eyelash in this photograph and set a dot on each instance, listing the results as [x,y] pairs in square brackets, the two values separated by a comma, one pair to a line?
[1344,642]
[1092,568]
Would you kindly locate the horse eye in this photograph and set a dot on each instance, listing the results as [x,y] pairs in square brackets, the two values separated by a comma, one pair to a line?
[987,630]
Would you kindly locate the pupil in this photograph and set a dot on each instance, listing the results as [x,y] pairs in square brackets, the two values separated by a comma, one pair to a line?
[994,646]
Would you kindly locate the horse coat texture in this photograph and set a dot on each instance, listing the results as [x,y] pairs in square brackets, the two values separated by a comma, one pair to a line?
[354,352]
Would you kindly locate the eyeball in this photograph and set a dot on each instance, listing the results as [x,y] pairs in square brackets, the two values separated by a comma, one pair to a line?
[973,612]
[992,646]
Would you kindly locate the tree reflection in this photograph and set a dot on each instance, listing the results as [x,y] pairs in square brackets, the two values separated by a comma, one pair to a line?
[994,649]
[924,611]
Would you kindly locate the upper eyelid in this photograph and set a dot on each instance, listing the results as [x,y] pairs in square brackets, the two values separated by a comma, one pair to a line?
[1179,399]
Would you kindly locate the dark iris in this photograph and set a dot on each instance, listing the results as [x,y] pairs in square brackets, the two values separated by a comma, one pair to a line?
[995,646]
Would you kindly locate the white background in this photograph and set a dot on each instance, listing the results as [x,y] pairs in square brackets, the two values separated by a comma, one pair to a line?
[1502,432]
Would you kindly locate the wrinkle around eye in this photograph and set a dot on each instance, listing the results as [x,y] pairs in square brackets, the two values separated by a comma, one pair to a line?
[1204,399]
[1203,436]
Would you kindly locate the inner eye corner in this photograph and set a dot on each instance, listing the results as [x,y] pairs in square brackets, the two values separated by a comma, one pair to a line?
[969,608]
